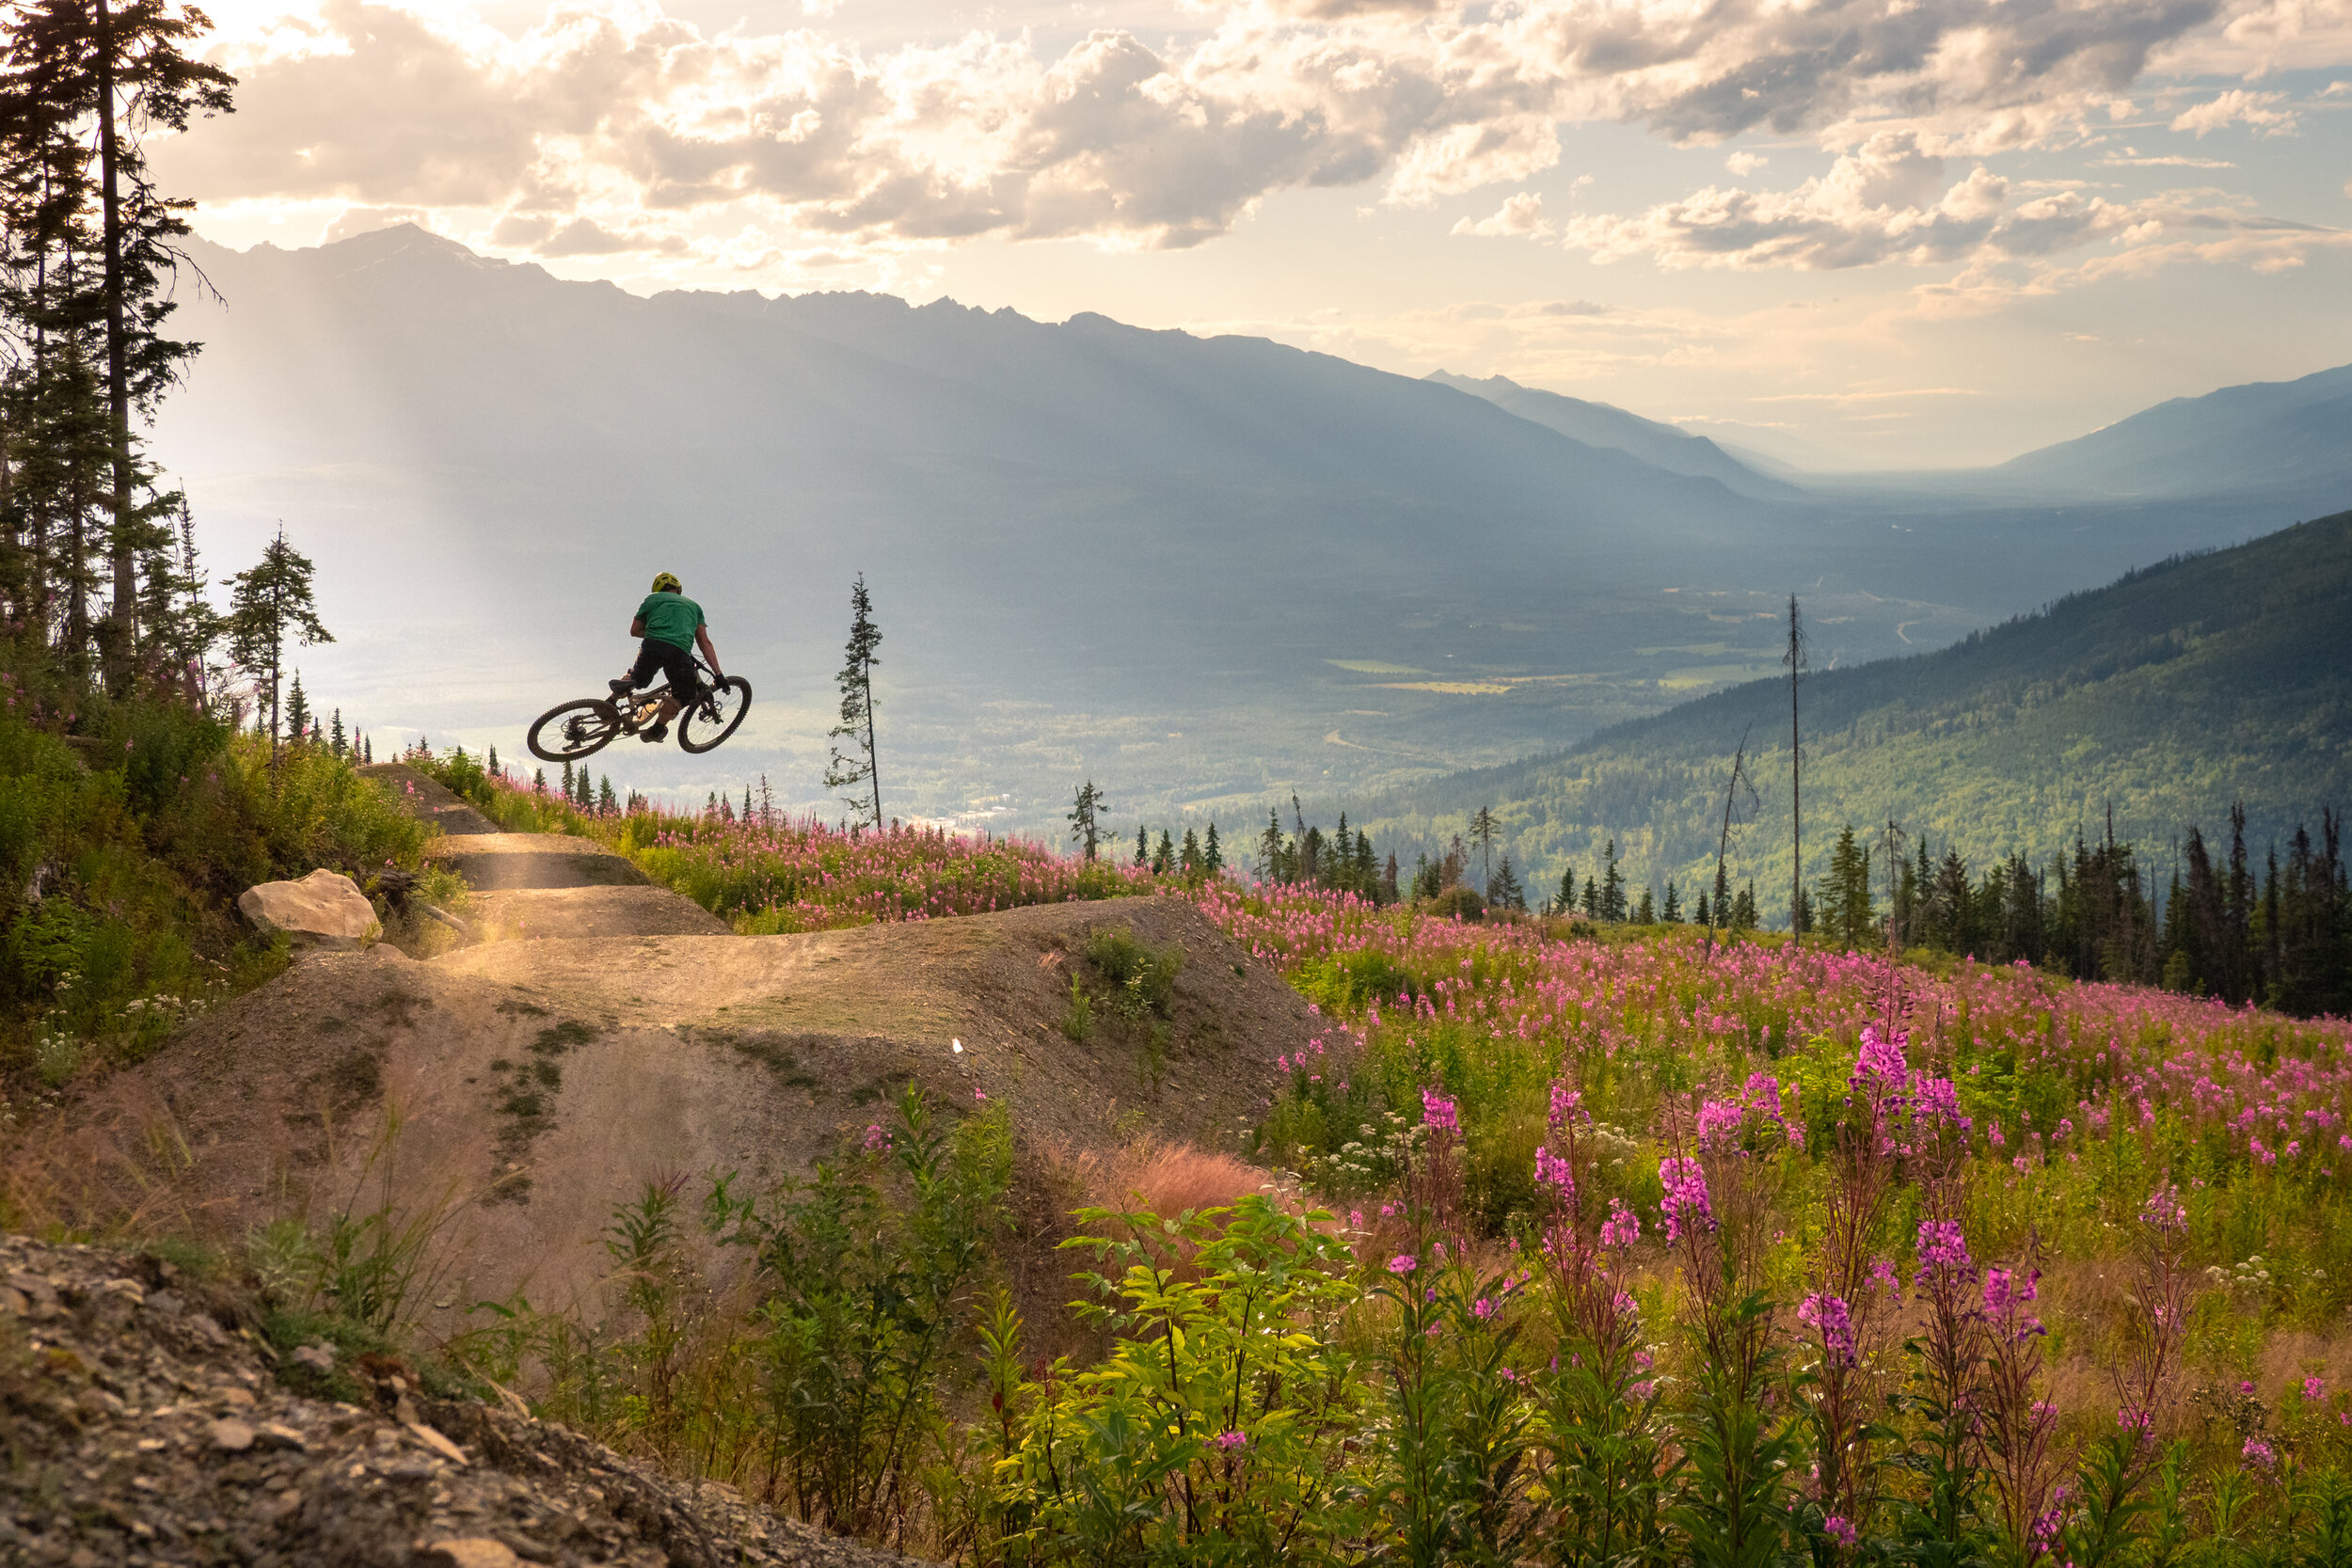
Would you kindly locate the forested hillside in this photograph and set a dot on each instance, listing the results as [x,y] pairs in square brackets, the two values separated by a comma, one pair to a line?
[2167,698]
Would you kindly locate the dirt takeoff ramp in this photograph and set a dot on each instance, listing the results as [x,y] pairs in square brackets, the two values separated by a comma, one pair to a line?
[538,1083]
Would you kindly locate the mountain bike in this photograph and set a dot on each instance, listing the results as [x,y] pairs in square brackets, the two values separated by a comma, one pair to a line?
[707,715]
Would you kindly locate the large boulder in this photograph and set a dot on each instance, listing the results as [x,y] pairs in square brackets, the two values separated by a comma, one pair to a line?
[324,909]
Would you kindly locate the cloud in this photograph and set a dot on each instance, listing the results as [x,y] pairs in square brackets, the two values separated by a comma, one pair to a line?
[1744,164]
[1889,201]
[1521,216]
[2236,107]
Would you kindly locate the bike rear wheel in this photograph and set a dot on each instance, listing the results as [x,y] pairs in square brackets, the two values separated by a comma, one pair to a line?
[574,730]
[717,715]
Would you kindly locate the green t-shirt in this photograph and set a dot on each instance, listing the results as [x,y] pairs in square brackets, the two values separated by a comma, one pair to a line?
[671,618]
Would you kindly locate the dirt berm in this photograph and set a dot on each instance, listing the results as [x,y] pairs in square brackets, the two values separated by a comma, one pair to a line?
[538,1083]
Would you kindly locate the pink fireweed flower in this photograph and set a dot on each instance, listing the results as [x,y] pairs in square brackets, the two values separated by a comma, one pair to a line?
[1879,1067]
[1718,1123]
[1685,1205]
[1566,1105]
[1622,1229]
[2165,1211]
[1403,1263]
[875,1139]
[1439,1112]
[1482,1310]
[1829,1316]
[1838,1529]
[1229,1441]
[2259,1454]
[2315,1389]
[1554,1172]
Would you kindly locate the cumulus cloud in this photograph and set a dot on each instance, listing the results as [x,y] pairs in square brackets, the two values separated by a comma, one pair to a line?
[1891,200]
[2238,107]
[1521,216]
[612,129]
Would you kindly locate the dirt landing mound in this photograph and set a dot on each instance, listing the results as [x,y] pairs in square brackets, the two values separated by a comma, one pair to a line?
[539,1084]
[139,1424]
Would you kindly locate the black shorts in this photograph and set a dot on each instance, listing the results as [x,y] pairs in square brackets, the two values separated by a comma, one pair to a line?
[673,662]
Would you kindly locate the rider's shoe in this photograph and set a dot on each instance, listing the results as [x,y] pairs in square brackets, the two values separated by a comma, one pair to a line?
[654,736]
[622,686]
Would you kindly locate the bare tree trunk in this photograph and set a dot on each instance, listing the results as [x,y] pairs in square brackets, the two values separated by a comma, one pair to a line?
[873,762]
[122,639]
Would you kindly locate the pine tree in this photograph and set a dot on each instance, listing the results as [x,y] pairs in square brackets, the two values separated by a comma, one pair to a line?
[1164,855]
[297,711]
[1645,913]
[1507,893]
[1743,916]
[1612,886]
[1189,856]
[1592,897]
[1564,902]
[856,770]
[1083,812]
[539,779]
[1483,831]
[77,76]
[1213,854]
[607,803]
[1143,847]
[270,603]
[496,771]
[336,740]
[1270,856]
[567,782]
[371,749]
[1705,915]
[1673,911]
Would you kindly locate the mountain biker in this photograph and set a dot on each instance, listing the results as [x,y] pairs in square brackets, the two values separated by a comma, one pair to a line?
[671,624]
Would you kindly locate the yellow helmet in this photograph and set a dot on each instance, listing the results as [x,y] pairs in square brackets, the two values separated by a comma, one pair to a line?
[666,583]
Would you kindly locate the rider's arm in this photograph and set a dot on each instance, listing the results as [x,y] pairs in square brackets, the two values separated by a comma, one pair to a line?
[637,627]
[710,655]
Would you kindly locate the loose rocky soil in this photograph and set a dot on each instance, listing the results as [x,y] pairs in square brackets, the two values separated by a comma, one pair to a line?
[141,1422]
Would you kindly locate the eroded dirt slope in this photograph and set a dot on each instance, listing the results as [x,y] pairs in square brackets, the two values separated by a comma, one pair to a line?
[539,1084]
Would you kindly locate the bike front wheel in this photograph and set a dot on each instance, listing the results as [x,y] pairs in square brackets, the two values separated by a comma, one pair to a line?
[717,715]
[574,730]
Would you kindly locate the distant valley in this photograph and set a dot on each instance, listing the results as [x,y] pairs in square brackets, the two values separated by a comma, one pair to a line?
[1204,572]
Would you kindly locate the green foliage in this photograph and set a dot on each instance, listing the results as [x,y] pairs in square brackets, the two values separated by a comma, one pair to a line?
[1213,1430]
[1142,978]
[122,849]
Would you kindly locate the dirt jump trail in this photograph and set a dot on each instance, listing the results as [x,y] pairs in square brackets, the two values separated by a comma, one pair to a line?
[609,1033]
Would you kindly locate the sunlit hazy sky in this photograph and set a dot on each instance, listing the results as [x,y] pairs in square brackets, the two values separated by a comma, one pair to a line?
[1904,232]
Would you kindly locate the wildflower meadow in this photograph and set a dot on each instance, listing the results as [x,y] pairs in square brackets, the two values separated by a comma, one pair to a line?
[1623,1245]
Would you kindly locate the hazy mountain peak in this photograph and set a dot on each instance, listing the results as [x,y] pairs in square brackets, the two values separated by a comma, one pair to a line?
[1603,424]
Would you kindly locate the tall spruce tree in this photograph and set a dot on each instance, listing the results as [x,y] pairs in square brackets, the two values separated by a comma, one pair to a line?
[856,770]
[269,604]
[1084,823]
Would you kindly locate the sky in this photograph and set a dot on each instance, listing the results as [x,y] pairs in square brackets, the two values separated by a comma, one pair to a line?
[1856,234]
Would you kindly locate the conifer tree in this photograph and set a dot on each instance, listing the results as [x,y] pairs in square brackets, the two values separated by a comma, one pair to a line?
[539,779]
[1743,916]
[1672,913]
[269,604]
[492,764]
[1164,855]
[1705,915]
[1645,913]
[1613,906]
[856,769]
[606,803]
[1189,856]
[297,711]
[1083,812]
[1564,902]
[1143,847]
[1592,897]
[337,741]
[1213,854]
[1483,832]
[1506,892]
[370,748]
[1270,855]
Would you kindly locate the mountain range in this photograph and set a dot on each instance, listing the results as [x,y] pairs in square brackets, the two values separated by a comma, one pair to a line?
[1204,571]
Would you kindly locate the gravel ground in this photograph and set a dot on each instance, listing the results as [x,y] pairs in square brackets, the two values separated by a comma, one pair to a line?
[142,1421]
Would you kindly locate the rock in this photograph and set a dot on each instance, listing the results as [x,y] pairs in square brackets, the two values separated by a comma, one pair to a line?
[472,1551]
[438,1444]
[275,1435]
[231,1434]
[320,1358]
[324,909]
